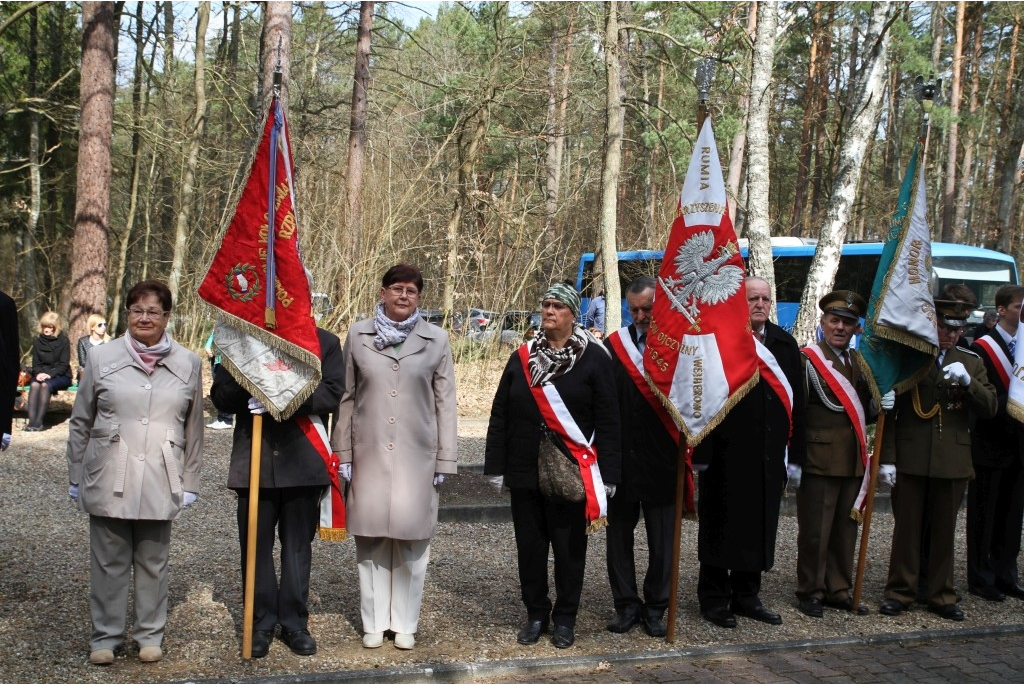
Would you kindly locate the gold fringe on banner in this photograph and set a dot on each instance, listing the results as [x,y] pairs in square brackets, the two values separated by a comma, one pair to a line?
[597,524]
[333,534]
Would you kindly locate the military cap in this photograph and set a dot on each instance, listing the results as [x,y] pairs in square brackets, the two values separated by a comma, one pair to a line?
[844,303]
[952,312]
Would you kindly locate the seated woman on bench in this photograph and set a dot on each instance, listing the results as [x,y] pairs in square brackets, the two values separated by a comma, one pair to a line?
[51,368]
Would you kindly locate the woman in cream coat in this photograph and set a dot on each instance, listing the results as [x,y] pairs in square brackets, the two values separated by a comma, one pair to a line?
[395,437]
[135,446]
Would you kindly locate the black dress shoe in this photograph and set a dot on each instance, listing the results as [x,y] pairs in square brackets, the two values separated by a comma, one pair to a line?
[623,622]
[891,607]
[654,625]
[847,605]
[261,640]
[530,632]
[720,616]
[987,592]
[811,606]
[758,613]
[950,612]
[300,642]
[1012,591]
[563,637]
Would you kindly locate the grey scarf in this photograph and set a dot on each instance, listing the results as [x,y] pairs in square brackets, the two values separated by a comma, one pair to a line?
[392,332]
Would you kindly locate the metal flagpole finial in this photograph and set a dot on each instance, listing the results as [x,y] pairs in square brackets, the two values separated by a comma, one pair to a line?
[927,93]
[705,77]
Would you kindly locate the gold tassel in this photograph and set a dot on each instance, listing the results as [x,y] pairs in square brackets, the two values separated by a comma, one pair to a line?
[857,515]
[597,524]
[333,534]
[270,317]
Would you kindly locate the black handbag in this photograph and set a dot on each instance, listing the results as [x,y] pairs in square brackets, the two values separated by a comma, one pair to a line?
[558,473]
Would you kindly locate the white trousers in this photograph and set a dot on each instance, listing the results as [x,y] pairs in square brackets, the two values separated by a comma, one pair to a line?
[391,576]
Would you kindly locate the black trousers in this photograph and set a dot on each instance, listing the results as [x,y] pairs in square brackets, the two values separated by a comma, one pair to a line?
[542,524]
[722,587]
[623,516]
[295,514]
[994,500]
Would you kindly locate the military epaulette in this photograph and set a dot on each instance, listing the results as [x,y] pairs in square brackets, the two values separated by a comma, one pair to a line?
[970,352]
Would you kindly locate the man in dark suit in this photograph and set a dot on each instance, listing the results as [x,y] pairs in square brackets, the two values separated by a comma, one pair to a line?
[10,356]
[830,478]
[928,445]
[649,464]
[995,498]
[293,475]
[742,475]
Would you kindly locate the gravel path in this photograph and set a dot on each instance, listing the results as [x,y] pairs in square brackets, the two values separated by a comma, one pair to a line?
[471,609]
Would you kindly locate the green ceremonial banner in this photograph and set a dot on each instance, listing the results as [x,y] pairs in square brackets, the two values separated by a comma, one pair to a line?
[899,340]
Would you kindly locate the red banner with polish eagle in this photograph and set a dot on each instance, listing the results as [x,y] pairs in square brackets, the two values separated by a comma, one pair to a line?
[265,332]
[700,358]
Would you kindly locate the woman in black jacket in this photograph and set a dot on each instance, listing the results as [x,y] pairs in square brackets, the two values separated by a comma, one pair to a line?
[569,372]
[51,368]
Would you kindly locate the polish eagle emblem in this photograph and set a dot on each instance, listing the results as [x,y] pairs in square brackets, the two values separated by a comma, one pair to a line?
[702,278]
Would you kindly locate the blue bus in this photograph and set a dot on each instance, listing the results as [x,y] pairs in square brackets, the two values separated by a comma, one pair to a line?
[980,269]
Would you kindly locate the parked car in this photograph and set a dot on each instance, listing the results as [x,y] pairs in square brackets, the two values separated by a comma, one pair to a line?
[512,328]
[437,317]
[477,321]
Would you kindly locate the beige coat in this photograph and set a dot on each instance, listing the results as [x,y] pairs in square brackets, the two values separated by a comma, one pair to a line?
[135,441]
[397,425]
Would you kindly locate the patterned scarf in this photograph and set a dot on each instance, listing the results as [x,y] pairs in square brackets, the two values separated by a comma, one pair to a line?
[392,332]
[147,357]
[547,363]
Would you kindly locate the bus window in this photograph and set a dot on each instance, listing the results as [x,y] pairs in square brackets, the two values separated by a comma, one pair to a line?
[983,276]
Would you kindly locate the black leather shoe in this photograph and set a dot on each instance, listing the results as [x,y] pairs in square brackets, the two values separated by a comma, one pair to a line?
[950,612]
[623,622]
[810,606]
[300,642]
[654,625]
[530,632]
[847,605]
[758,613]
[261,640]
[720,616]
[891,607]
[1012,591]
[562,637]
[987,592]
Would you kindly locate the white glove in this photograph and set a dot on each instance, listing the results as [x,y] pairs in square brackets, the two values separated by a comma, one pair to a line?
[497,481]
[438,478]
[958,374]
[5,442]
[256,407]
[887,474]
[700,468]
[609,491]
[345,471]
[794,473]
[73,492]
[190,499]
[888,400]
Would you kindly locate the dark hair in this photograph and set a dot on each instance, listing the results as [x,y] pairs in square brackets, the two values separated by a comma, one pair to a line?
[640,284]
[151,287]
[1007,294]
[403,273]
[959,292]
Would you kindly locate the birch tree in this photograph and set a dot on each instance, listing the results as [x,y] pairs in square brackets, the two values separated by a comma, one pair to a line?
[860,125]
[357,145]
[614,124]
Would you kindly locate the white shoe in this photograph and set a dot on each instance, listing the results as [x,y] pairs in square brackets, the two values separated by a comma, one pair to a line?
[101,657]
[405,640]
[373,640]
[218,425]
[150,653]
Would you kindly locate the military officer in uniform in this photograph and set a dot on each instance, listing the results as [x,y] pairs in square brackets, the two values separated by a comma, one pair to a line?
[832,472]
[926,457]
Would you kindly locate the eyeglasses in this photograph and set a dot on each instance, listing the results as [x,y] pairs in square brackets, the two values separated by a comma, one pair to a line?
[138,313]
[398,291]
[101,325]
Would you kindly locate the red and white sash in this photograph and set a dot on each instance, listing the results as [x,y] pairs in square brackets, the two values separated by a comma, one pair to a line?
[995,354]
[332,506]
[559,420]
[848,397]
[632,359]
[769,368]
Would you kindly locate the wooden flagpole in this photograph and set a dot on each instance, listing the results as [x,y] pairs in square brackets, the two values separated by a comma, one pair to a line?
[869,508]
[250,536]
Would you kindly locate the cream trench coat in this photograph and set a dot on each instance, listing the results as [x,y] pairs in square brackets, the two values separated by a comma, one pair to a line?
[397,425]
[135,441]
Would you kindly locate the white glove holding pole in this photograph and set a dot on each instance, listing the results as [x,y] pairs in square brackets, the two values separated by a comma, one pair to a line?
[958,374]
[256,407]
[888,400]
[794,473]
[887,474]
[345,471]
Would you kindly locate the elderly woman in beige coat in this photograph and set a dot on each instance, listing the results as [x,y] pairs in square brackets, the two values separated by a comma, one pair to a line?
[135,445]
[395,437]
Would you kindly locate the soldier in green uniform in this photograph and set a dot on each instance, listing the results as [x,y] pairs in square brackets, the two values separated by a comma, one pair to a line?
[928,445]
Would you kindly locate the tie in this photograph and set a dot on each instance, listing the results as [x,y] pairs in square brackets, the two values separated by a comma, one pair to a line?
[1012,345]
[846,358]
[938,360]
[759,336]
[641,342]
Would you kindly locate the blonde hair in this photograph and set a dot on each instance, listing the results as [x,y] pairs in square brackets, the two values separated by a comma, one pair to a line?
[50,319]
[91,324]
